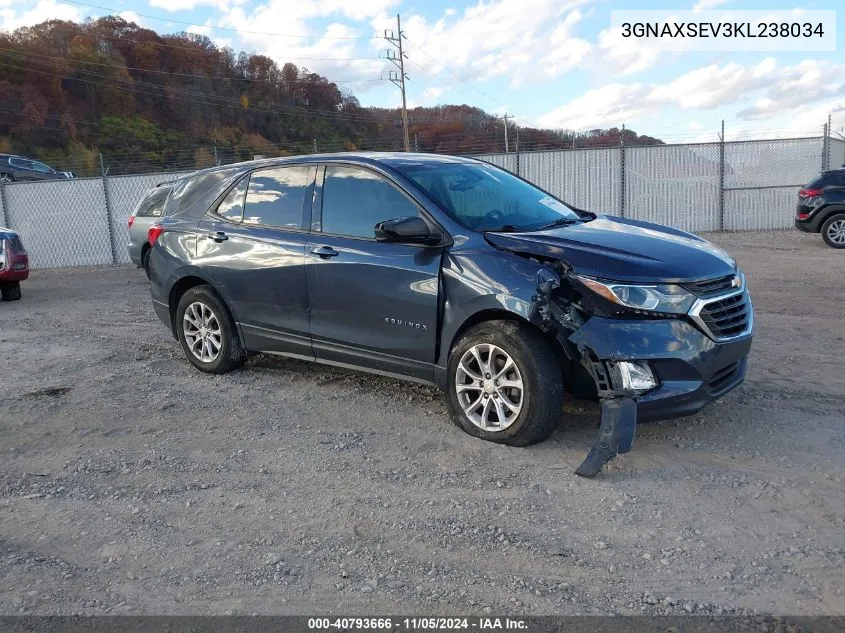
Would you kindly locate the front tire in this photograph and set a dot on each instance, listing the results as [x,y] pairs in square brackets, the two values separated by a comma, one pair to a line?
[11,291]
[207,332]
[6,179]
[505,384]
[833,231]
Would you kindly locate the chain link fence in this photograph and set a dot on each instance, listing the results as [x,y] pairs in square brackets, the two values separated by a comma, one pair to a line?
[734,186]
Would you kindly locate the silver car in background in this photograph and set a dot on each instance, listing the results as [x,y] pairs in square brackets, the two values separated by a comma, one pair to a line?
[146,213]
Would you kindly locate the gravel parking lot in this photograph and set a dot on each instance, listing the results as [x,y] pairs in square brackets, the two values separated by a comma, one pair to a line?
[132,483]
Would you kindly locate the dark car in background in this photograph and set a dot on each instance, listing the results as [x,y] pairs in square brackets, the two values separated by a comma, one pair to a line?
[821,208]
[452,272]
[14,264]
[19,169]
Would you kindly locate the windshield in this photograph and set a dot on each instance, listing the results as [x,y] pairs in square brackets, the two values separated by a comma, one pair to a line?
[486,198]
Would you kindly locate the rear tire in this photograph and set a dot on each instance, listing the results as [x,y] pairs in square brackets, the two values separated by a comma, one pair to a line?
[833,231]
[6,179]
[145,260]
[520,403]
[11,291]
[207,332]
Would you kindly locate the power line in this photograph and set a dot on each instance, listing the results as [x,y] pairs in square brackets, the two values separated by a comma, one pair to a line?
[174,74]
[193,49]
[195,97]
[116,13]
[458,77]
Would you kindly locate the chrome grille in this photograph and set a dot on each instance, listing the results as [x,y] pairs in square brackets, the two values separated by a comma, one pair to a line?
[724,317]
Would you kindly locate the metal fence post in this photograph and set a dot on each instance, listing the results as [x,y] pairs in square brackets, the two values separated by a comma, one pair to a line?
[107,200]
[622,176]
[722,178]
[825,148]
[4,207]
[829,144]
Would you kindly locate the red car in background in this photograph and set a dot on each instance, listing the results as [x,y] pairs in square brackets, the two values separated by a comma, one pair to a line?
[14,264]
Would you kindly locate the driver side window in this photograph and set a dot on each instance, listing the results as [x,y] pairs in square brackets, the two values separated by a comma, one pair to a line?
[355,200]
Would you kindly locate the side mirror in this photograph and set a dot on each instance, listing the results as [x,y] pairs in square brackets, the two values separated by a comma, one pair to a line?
[410,229]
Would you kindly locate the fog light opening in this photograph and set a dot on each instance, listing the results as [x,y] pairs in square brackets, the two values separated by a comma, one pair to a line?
[634,377]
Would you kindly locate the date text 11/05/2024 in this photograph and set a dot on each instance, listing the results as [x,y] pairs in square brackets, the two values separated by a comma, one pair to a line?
[417,624]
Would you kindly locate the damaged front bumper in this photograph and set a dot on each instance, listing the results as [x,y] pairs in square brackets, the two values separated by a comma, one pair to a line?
[690,370]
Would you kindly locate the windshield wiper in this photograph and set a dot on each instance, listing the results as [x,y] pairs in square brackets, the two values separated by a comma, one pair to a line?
[560,222]
[506,228]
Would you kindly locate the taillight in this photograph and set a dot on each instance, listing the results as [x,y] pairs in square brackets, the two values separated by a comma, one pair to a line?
[154,232]
[802,216]
[131,220]
[810,193]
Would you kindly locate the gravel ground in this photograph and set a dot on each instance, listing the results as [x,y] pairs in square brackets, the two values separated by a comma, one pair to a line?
[132,483]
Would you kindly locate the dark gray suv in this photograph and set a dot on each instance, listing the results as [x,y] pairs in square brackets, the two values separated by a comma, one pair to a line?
[456,273]
[20,169]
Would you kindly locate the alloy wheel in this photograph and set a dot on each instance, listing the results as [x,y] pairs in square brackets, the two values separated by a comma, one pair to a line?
[836,232]
[489,387]
[202,332]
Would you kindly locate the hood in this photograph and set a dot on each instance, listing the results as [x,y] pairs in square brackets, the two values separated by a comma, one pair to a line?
[623,250]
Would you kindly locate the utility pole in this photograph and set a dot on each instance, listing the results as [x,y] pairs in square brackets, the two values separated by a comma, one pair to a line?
[506,134]
[395,39]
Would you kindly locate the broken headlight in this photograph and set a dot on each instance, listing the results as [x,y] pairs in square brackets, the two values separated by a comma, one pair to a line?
[667,298]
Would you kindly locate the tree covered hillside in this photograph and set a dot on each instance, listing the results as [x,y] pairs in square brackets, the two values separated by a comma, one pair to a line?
[69,92]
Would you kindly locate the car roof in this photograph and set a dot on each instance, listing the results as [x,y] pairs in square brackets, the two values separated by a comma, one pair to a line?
[6,231]
[390,159]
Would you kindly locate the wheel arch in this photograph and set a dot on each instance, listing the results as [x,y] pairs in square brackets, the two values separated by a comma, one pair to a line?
[487,314]
[183,285]
[827,213]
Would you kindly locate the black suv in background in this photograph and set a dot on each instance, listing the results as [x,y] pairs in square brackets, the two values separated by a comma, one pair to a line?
[452,272]
[20,169]
[821,208]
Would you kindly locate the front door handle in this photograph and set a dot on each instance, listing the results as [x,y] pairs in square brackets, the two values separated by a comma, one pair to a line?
[217,236]
[325,252]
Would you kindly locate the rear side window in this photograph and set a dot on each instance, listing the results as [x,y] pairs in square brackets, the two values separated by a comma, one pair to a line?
[276,196]
[355,200]
[153,204]
[232,206]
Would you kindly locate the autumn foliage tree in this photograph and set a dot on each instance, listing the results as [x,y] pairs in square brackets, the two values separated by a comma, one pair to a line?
[148,101]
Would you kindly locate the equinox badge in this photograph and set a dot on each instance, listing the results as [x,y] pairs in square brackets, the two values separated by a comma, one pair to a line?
[410,324]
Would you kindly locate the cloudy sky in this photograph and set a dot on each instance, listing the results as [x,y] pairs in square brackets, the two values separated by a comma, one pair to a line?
[555,63]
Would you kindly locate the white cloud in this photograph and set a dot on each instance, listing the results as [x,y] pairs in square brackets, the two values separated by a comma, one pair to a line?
[609,105]
[522,40]
[42,11]
[205,29]
[131,16]
[331,50]
[187,5]
[624,54]
[783,91]
[704,5]
[713,85]
[822,79]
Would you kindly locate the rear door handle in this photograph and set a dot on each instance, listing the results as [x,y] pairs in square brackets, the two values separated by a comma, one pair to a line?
[325,252]
[218,236]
